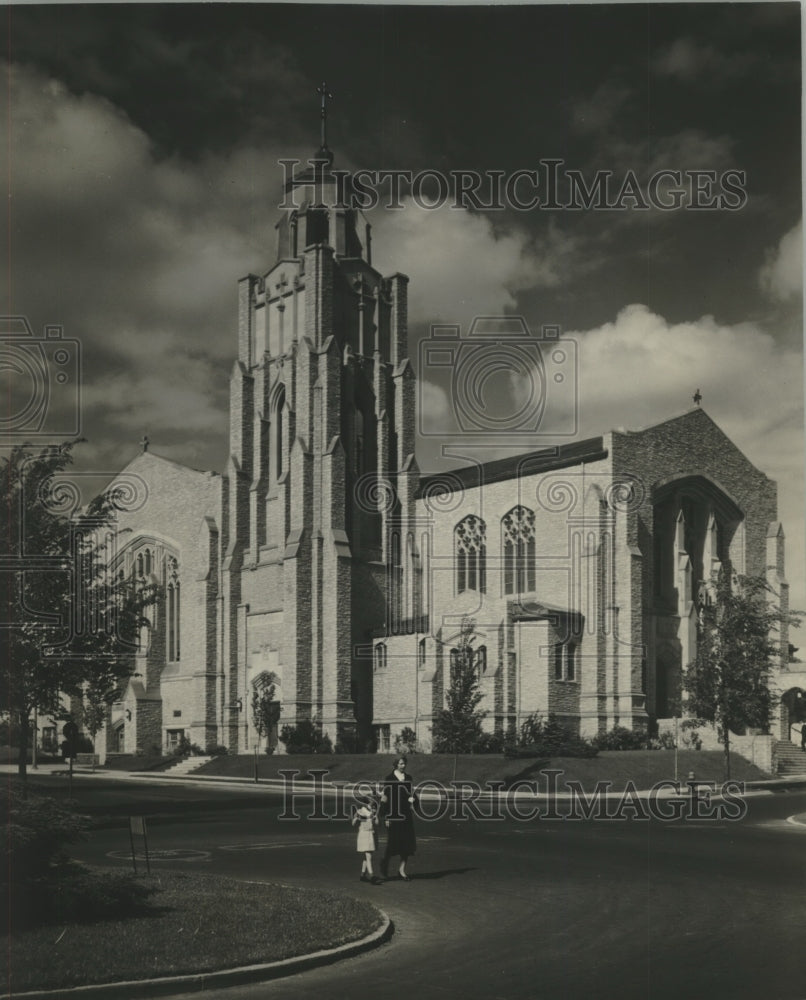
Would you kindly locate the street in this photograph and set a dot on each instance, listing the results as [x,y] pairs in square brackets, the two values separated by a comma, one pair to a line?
[510,909]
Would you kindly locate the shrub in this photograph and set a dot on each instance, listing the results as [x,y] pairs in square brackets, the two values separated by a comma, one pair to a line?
[33,838]
[406,741]
[620,738]
[349,742]
[548,738]
[9,733]
[40,883]
[663,741]
[305,737]
[489,743]
[217,750]
[690,737]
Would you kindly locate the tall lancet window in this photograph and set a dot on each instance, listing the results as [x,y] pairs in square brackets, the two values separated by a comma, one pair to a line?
[277,442]
[470,550]
[172,610]
[518,543]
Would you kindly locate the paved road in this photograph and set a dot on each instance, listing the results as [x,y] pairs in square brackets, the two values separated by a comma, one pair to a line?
[516,910]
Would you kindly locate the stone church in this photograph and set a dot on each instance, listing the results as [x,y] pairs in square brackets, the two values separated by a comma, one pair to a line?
[322,561]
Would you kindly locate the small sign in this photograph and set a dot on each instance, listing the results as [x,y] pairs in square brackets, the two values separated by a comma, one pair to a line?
[137,824]
[137,828]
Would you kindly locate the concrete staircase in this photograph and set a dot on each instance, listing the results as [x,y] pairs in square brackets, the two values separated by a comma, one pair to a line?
[791,759]
[187,765]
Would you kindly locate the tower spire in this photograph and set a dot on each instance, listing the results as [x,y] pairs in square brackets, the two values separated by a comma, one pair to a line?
[325,95]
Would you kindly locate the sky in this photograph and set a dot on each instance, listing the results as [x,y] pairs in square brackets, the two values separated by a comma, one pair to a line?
[141,159]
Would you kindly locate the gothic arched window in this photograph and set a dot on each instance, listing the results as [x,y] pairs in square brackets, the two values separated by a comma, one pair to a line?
[470,544]
[481,661]
[279,404]
[518,543]
[172,610]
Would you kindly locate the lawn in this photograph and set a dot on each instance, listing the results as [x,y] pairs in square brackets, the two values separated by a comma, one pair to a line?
[643,767]
[199,923]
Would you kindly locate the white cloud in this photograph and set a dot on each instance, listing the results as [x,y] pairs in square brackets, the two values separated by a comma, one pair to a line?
[597,113]
[462,266]
[689,60]
[137,257]
[781,276]
[647,368]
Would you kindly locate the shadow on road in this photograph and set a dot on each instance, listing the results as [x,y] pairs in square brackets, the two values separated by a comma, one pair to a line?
[442,874]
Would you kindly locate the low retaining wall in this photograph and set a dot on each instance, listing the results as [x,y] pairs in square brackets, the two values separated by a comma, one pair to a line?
[758,749]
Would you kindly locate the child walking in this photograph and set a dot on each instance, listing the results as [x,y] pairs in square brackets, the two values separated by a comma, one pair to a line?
[367,818]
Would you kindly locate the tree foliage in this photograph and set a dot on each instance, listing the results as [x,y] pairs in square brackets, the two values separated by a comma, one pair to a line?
[738,639]
[265,707]
[457,727]
[66,620]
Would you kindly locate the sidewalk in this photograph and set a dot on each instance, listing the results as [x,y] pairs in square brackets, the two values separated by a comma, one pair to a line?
[435,792]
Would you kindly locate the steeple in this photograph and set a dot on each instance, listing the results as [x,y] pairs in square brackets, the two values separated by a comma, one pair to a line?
[324,153]
[321,205]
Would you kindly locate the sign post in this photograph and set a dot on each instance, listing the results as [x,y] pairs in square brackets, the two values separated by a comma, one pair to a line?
[137,825]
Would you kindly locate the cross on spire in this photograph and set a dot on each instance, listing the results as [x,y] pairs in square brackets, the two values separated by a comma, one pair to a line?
[697,397]
[325,94]
[144,442]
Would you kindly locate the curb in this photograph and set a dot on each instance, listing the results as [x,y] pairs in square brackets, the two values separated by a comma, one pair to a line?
[198,981]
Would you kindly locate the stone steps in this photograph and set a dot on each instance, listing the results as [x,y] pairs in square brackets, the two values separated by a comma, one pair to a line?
[791,759]
[186,765]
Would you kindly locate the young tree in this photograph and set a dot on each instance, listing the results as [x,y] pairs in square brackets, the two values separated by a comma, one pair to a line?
[66,621]
[265,709]
[737,642]
[457,727]
[95,707]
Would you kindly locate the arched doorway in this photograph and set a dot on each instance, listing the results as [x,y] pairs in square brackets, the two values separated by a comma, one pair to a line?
[793,714]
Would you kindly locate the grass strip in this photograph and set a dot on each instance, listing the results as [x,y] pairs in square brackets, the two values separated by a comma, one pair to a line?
[643,767]
[198,923]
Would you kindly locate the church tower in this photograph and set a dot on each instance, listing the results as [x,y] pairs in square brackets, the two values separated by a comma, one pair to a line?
[321,460]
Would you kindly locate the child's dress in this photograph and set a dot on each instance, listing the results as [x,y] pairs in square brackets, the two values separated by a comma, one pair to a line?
[366,833]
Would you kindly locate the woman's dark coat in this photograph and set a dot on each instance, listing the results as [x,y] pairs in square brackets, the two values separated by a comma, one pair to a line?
[400,836]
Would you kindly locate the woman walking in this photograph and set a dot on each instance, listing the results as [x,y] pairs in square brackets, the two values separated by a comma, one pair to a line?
[398,806]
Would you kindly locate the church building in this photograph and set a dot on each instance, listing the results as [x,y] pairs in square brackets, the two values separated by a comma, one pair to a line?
[322,561]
